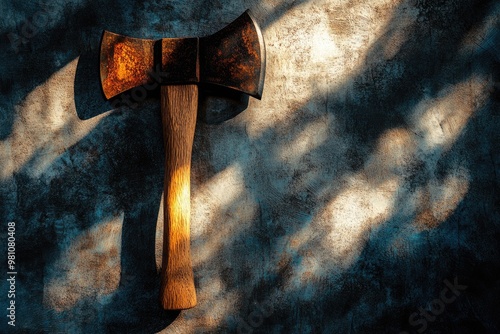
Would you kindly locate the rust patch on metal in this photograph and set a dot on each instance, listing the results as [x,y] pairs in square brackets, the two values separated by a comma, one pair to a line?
[125,63]
[234,57]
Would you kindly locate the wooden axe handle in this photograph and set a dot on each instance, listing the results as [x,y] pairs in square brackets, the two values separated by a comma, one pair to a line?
[179,104]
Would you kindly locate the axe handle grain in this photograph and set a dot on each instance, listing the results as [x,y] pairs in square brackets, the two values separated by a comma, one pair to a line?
[179,105]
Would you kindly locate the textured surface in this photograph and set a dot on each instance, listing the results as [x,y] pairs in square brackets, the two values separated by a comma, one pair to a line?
[363,184]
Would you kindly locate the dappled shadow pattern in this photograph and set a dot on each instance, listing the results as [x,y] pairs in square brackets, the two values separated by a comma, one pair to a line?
[404,259]
[285,254]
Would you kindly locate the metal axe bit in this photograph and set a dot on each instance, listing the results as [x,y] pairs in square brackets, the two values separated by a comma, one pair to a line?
[234,57]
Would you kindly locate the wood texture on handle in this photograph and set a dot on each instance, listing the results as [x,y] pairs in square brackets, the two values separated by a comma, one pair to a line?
[179,105]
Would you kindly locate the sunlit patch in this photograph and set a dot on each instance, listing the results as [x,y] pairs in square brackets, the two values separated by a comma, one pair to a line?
[483,37]
[440,199]
[323,56]
[89,268]
[323,45]
[370,196]
[226,185]
[221,207]
[160,223]
[45,126]
[309,268]
[394,42]
[395,150]
[221,190]
[314,134]
[220,232]
[210,312]
[353,213]
[438,122]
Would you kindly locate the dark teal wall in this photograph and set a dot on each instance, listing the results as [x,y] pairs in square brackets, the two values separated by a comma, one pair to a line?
[360,195]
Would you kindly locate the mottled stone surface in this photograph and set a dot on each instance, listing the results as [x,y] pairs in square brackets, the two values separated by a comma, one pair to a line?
[360,195]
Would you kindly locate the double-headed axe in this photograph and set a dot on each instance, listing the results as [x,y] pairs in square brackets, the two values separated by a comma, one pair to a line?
[234,57]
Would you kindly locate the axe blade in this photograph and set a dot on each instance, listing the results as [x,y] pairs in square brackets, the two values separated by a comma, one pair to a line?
[125,62]
[233,57]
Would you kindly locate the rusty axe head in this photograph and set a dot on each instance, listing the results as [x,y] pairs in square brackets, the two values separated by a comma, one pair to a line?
[234,57]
